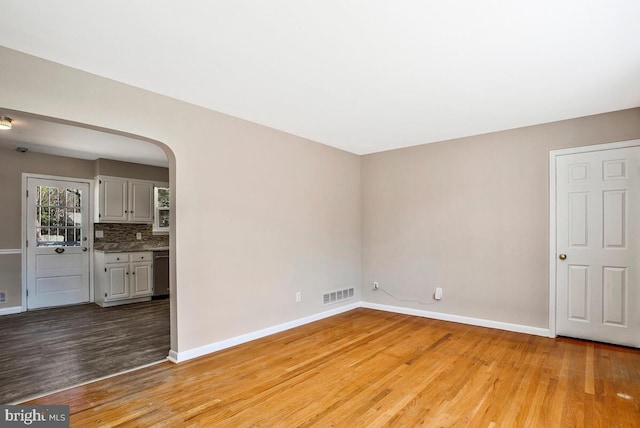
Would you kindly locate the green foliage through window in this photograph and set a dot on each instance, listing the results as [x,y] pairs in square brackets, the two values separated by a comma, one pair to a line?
[58,216]
[162,218]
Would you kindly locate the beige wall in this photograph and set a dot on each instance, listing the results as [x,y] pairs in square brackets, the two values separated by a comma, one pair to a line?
[131,170]
[10,274]
[471,216]
[259,215]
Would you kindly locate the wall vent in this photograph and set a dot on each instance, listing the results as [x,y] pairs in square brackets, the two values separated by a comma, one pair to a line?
[337,296]
[3,296]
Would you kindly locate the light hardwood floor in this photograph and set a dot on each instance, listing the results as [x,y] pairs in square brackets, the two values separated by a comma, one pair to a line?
[367,368]
[46,350]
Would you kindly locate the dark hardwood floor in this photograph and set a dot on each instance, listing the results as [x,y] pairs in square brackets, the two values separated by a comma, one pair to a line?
[46,350]
[366,368]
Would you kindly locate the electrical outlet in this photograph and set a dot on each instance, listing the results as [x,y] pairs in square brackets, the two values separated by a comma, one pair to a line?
[438,294]
[99,233]
[298,296]
[138,236]
[376,285]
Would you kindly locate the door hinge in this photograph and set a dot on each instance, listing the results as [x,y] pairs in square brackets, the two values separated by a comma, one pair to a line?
[27,243]
[105,294]
[27,292]
[27,193]
[105,269]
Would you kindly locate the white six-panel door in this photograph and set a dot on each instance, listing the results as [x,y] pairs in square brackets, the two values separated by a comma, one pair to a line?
[598,246]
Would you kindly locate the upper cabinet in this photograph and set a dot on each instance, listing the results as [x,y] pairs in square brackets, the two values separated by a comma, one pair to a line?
[140,201]
[112,199]
[123,200]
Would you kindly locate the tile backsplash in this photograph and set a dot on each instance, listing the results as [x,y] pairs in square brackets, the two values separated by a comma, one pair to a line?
[126,232]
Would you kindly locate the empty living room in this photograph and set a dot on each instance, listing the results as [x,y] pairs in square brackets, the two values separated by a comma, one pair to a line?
[326,213]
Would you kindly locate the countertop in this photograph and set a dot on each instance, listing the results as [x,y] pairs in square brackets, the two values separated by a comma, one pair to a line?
[129,247]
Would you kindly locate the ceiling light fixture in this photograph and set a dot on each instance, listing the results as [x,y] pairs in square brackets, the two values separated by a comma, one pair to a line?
[5,122]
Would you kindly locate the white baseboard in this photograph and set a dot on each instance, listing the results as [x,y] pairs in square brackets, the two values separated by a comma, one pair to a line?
[178,357]
[10,310]
[173,356]
[517,328]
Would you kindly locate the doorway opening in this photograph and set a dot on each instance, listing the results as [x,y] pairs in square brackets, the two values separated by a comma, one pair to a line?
[52,263]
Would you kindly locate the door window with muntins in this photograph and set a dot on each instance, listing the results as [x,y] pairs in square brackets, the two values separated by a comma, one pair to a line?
[58,216]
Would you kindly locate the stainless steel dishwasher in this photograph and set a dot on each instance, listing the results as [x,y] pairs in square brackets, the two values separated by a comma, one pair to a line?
[160,273]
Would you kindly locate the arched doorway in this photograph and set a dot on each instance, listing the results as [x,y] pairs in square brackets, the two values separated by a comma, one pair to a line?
[57,148]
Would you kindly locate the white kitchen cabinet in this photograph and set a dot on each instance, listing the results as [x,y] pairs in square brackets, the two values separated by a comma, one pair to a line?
[116,284]
[141,278]
[112,197]
[123,277]
[140,201]
[123,200]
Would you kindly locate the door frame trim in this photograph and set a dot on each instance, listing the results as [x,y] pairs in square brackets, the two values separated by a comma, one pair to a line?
[23,234]
[553,155]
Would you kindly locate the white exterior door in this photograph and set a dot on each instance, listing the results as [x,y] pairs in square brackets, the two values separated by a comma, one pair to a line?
[598,246]
[57,226]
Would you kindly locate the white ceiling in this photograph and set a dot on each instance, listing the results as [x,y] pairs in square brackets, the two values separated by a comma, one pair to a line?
[53,138]
[361,75]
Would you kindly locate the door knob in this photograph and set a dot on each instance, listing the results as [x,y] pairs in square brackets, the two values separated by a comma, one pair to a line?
[562,256]
[84,248]
[59,250]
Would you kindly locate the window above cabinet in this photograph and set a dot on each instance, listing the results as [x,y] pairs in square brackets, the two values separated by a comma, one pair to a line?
[162,210]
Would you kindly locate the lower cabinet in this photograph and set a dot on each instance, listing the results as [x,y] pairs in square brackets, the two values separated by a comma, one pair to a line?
[123,277]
